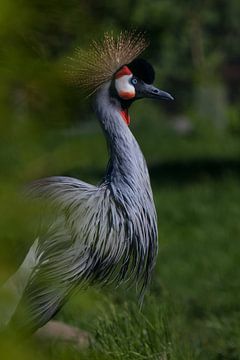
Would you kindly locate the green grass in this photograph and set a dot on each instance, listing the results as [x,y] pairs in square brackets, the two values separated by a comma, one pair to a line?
[199,264]
[192,310]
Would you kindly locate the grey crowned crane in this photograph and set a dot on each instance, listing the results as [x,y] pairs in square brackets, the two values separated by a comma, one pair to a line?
[101,234]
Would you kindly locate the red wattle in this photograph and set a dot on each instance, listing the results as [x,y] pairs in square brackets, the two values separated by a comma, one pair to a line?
[125,116]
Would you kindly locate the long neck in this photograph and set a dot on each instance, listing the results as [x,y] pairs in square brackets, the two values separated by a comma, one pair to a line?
[126,165]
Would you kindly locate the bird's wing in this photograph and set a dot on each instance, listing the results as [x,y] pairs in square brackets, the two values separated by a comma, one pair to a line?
[37,287]
[61,189]
[84,245]
[91,241]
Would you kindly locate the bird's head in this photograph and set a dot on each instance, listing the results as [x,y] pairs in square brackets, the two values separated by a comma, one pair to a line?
[115,61]
[134,81]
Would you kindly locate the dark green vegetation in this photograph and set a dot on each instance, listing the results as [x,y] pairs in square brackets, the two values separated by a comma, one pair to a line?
[192,310]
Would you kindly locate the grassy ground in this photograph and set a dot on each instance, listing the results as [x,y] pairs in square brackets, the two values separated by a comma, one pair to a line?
[192,310]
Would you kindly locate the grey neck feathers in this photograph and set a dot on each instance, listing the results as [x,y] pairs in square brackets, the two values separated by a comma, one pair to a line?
[127,169]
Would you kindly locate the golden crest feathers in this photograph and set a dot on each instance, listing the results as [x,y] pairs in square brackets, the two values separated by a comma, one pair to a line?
[89,69]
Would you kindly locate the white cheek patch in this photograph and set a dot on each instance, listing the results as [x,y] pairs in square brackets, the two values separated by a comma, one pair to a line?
[124,89]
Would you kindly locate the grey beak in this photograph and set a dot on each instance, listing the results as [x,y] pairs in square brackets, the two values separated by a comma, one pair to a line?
[152,92]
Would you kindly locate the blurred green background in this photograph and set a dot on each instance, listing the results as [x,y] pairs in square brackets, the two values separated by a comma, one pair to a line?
[192,310]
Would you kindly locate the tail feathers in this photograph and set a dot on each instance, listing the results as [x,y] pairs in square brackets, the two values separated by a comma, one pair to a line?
[12,291]
[34,311]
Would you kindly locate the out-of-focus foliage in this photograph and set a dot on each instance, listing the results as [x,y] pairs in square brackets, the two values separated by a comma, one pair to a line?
[192,43]
[192,148]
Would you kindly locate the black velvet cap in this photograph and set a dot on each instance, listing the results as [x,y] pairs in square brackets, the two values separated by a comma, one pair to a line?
[143,70]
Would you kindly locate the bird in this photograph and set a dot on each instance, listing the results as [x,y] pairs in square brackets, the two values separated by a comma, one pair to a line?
[100,234]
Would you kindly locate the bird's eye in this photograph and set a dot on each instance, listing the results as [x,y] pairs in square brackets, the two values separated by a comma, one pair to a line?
[134,81]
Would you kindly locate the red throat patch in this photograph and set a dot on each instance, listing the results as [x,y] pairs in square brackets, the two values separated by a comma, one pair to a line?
[125,116]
